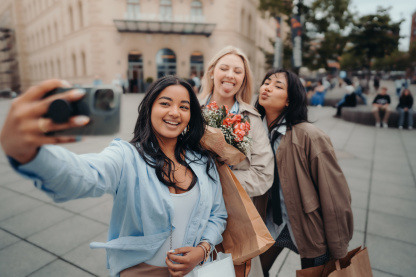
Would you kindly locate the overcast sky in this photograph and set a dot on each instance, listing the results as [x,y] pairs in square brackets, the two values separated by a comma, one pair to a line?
[398,9]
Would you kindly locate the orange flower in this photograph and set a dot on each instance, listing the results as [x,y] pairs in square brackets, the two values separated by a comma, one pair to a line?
[227,122]
[239,135]
[212,106]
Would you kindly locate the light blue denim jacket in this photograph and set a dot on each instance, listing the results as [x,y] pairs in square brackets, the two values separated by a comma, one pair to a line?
[142,210]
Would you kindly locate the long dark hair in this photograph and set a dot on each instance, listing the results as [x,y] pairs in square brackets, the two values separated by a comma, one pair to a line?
[146,142]
[297,110]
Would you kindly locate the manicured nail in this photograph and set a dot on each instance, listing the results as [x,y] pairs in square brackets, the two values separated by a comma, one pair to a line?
[171,251]
[79,92]
[81,120]
[65,83]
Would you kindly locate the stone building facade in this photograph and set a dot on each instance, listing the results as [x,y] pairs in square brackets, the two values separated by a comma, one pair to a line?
[133,40]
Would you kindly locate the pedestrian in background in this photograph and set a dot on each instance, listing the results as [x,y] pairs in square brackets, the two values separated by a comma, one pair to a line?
[309,205]
[158,180]
[398,83]
[405,106]
[228,81]
[381,103]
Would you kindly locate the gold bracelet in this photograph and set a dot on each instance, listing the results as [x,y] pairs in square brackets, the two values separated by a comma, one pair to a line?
[205,253]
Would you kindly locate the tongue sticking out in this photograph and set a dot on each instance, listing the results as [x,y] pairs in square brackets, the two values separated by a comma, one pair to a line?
[227,86]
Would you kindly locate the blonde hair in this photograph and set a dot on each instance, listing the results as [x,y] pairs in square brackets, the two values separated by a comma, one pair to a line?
[245,93]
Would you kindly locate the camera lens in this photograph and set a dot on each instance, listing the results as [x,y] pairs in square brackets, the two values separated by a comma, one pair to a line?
[104,99]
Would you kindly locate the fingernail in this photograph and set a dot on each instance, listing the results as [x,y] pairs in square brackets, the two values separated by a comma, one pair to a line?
[171,251]
[81,120]
[79,92]
[65,83]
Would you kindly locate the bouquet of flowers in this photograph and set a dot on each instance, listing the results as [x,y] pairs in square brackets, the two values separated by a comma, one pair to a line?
[234,128]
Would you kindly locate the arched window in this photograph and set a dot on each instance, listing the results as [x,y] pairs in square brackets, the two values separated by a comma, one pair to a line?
[74,65]
[197,64]
[196,8]
[166,62]
[81,14]
[133,9]
[71,19]
[165,9]
[135,72]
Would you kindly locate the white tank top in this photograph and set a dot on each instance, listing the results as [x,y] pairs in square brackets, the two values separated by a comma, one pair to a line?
[183,205]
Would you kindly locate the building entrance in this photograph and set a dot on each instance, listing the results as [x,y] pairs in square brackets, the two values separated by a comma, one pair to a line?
[135,72]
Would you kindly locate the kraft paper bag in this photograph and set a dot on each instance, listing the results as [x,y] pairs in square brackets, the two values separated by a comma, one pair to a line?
[246,235]
[355,264]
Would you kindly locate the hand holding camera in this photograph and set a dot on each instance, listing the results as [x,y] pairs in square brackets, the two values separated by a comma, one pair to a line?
[30,122]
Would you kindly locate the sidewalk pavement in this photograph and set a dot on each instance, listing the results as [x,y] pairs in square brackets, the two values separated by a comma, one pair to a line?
[42,238]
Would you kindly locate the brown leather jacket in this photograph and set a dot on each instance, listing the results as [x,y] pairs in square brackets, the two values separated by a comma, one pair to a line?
[316,192]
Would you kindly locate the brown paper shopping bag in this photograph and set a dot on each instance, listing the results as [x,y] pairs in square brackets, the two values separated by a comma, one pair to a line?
[355,264]
[246,235]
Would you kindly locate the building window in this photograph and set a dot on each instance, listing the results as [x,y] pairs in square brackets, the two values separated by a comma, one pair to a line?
[71,19]
[196,8]
[133,9]
[135,72]
[197,64]
[165,10]
[249,27]
[81,15]
[74,65]
[242,22]
[166,62]
[84,64]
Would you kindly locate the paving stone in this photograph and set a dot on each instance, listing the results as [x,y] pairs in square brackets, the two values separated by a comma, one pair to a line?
[7,239]
[61,269]
[391,256]
[67,235]
[392,226]
[22,258]
[34,220]
[15,205]
[393,206]
[92,260]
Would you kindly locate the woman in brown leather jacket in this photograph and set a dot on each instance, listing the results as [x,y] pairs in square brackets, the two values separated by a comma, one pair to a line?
[309,206]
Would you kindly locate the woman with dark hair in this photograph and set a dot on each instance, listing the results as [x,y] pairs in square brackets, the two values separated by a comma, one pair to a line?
[309,205]
[159,180]
[405,105]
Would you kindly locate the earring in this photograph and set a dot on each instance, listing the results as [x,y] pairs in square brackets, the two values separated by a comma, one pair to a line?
[212,77]
[185,131]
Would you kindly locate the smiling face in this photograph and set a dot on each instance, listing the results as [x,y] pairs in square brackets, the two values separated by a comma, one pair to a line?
[228,76]
[171,113]
[273,94]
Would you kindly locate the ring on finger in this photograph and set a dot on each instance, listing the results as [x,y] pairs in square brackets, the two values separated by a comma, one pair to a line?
[41,125]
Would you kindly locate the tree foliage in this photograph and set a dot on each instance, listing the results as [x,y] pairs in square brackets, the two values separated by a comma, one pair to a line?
[374,36]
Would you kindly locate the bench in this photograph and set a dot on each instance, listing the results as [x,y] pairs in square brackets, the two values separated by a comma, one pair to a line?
[363,115]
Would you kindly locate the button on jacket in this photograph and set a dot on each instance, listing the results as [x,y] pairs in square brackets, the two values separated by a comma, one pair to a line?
[142,210]
[316,192]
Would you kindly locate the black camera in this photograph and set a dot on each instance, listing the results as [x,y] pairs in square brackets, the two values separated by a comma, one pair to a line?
[101,104]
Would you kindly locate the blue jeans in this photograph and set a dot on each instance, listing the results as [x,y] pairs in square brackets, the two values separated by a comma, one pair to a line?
[409,117]
[360,94]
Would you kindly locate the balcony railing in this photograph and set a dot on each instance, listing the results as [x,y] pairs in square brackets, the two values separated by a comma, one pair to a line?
[157,24]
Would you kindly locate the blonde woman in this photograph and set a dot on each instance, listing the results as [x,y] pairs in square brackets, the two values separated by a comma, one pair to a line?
[228,81]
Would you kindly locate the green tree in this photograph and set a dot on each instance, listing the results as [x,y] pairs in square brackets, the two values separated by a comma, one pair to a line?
[374,36]
[324,22]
